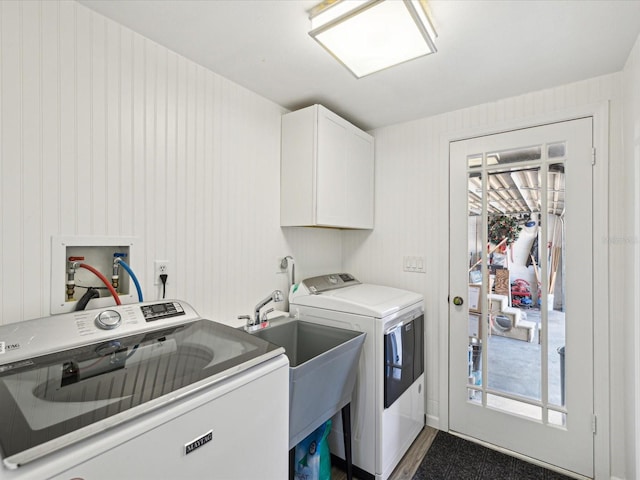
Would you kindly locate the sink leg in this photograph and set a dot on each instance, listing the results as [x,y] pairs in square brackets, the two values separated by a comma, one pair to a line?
[292,463]
[346,431]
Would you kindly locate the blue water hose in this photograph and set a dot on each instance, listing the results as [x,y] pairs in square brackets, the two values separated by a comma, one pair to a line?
[133,277]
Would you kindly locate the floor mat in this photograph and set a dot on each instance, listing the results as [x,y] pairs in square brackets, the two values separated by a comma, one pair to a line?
[453,458]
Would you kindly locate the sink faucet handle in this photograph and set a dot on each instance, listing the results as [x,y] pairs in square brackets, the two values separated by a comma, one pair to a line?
[264,314]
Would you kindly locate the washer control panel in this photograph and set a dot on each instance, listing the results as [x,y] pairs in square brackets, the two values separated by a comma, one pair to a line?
[330,282]
[157,311]
[24,340]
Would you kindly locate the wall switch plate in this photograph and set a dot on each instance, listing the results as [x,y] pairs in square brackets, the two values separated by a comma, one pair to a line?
[413,264]
[160,267]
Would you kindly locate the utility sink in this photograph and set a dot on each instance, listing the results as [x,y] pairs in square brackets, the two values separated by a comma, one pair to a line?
[323,362]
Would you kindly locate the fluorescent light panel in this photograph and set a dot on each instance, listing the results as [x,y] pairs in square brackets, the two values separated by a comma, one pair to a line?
[367,36]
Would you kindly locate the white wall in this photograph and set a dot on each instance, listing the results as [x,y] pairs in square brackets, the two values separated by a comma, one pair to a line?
[631,77]
[412,219]
[104,132]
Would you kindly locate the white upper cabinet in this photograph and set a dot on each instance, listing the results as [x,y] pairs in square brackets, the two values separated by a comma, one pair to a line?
[327,170]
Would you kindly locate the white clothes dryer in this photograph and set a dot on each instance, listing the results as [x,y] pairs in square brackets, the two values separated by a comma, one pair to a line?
[388,406]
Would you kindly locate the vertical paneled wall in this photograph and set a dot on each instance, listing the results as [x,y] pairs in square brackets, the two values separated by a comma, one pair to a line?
[412,214]
[632,242]
[103,132]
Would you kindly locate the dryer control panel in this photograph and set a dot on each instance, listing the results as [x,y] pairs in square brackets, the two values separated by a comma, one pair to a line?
[329,282]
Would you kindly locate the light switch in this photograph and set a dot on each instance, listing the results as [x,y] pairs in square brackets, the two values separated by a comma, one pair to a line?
[406,264]
[413,263]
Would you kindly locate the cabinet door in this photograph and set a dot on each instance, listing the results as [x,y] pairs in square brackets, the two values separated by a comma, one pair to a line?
[344,172]
[331,170]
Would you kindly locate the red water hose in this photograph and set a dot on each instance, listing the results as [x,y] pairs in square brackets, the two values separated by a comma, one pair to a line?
[104,280]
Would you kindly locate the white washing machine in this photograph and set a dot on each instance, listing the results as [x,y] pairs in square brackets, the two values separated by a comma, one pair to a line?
[388,403]
[141,391]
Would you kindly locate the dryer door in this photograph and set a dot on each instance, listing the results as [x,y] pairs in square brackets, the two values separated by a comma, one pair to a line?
[402,357]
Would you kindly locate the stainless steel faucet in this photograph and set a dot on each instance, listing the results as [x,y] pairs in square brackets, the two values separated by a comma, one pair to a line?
[256,322]
[276,296]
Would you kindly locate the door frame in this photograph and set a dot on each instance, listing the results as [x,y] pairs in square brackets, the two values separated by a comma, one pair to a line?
[600,114]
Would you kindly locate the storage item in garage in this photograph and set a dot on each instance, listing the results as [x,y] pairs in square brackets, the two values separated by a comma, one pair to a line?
[521,293]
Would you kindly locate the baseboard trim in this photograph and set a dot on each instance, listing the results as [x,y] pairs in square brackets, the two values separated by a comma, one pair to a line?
[433,422]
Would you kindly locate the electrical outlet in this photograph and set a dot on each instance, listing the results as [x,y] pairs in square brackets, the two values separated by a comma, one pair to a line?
[160,267]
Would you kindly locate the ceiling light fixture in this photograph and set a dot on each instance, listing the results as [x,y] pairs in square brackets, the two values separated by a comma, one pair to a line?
[367,36]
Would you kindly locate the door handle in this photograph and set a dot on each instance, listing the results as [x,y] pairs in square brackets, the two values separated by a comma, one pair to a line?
[457,301]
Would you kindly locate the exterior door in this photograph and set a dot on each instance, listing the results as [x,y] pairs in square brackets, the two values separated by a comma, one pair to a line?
[521,290]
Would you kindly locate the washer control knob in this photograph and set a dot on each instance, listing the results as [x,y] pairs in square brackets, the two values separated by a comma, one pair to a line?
[108,320]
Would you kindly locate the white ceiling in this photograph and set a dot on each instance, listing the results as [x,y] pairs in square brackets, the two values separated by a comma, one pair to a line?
[487,50]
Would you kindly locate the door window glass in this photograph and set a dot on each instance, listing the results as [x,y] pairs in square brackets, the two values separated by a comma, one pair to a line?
[516,324]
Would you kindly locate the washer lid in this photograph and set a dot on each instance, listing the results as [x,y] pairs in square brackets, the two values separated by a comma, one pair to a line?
[364,299]
[54,400]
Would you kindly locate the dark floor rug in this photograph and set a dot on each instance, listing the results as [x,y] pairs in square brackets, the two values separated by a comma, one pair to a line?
[452,458]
